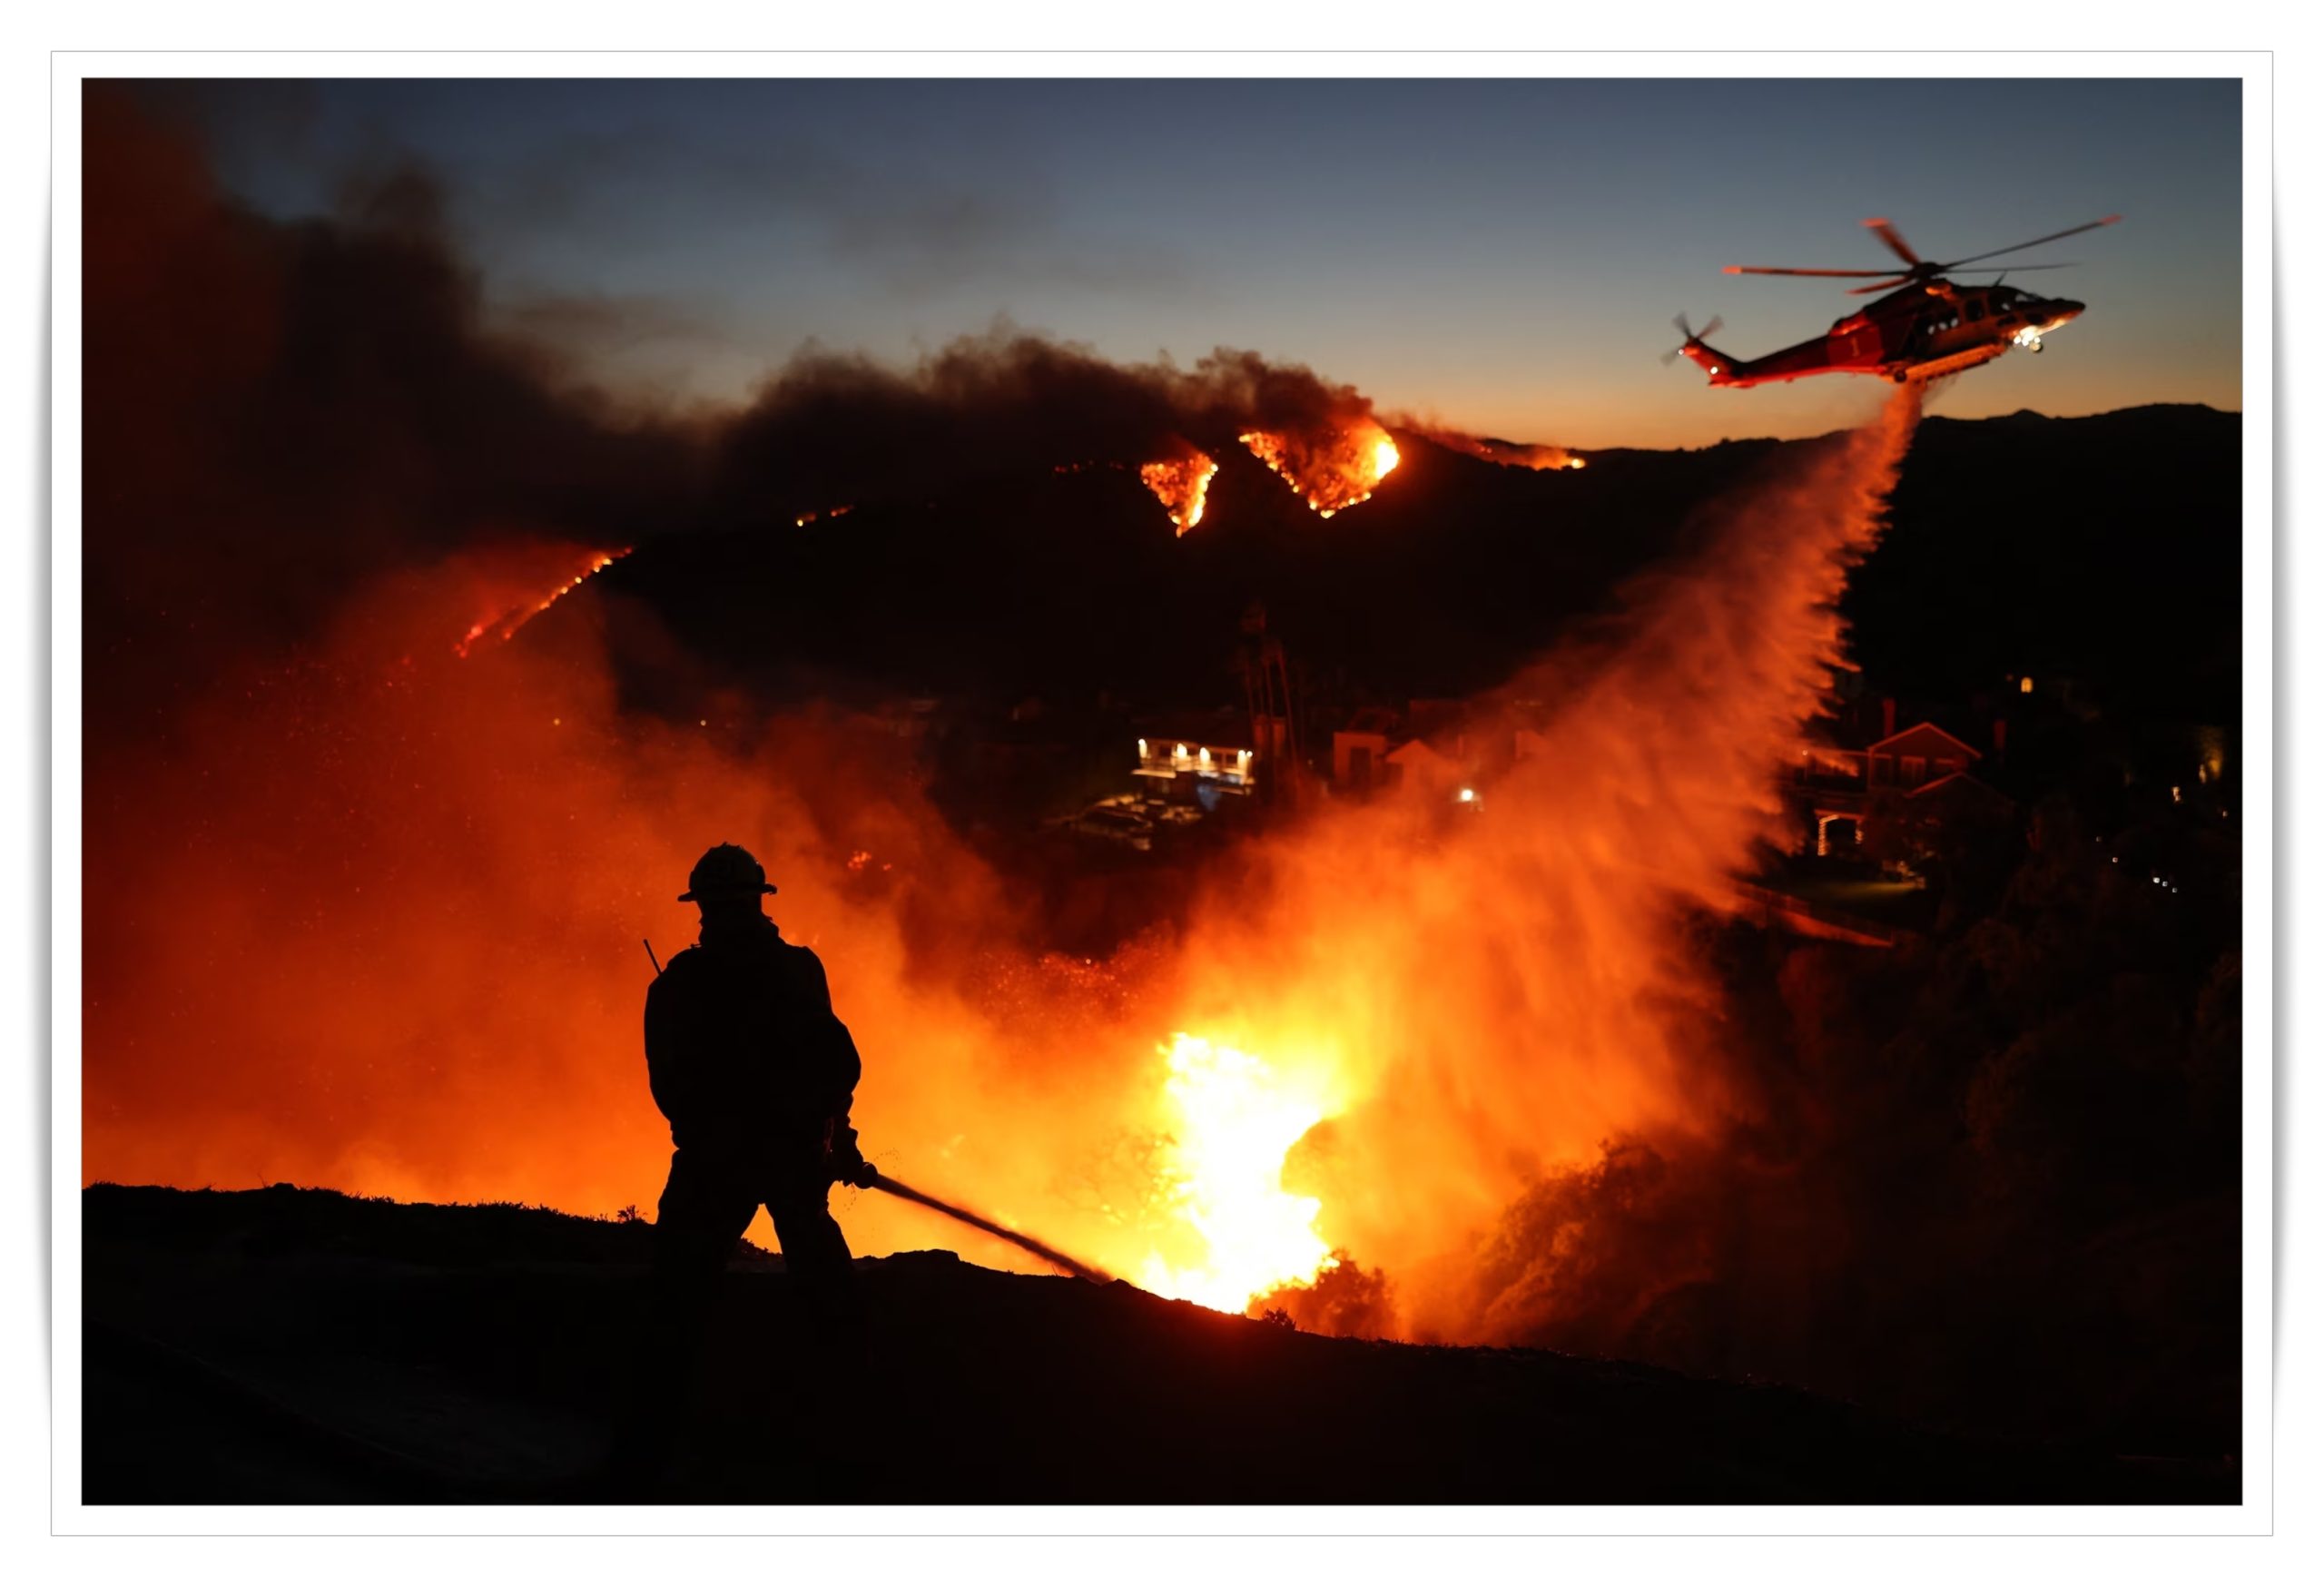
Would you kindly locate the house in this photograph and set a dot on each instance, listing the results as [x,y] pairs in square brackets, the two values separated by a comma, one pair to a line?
[1360,750]
[1432,768]
[1436,749]
[1198,758]
[1836,788]
[1920,755]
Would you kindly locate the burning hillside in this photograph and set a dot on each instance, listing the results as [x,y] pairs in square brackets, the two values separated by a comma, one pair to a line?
[1180,485]
[1331,470]
[1011,405]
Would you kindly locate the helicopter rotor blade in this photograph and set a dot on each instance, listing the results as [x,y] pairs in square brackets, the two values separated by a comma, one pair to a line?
[1679,320]
[1891,236]
[1776,269]
[1691,334]
[2000,270]
[2053,237]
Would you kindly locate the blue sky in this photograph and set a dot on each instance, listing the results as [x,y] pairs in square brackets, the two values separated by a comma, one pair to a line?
[1503,255]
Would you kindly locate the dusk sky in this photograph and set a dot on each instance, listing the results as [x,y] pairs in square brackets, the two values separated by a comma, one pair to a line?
[1503,256]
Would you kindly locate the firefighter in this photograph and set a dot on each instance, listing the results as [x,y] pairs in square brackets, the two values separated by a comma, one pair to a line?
[756,1076]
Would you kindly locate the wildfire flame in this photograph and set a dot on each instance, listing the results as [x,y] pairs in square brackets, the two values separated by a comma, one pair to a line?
[1333,470]
[503,626]
[1180,485]
[1539,457]
[1235,1117]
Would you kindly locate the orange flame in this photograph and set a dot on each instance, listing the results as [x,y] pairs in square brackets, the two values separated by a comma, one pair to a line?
[1332,470]
[1539,457]
[503,627]
[1180,487]
[1235,1118]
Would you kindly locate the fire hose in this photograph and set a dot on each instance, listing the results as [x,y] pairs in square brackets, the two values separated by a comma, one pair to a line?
[875,1181]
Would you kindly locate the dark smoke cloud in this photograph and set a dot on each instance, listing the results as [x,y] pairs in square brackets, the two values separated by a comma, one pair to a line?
[834,428]
[907,233]
[275,413]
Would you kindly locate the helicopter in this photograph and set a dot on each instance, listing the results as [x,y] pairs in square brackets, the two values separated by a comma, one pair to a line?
[1926,327]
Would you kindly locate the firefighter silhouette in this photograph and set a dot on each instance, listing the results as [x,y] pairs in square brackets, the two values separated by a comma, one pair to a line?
[756,1076]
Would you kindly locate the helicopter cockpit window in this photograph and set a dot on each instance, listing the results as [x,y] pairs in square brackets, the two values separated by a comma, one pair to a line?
[1974,309]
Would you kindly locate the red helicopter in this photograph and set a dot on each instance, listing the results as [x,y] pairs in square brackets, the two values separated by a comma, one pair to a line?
[1928,326]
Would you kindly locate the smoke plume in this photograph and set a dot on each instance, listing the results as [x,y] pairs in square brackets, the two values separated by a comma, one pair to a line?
[831,429]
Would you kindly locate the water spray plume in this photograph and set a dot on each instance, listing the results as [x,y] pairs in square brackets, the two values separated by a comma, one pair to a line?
[1501,997]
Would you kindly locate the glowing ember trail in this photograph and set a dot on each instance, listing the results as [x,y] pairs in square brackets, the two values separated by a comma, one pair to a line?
[1333,470]
[1517,455]
[503,626]
[1539,457]
[1237,1117]
[1180,485]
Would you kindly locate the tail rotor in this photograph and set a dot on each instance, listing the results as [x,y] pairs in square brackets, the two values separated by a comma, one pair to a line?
[1693,336]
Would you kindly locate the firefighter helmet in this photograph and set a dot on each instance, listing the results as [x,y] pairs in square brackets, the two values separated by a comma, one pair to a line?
[728,871]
